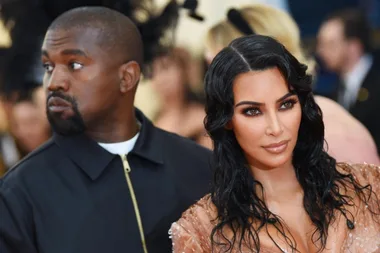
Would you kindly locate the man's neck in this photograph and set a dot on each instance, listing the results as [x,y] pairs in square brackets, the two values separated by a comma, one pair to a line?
[117,130]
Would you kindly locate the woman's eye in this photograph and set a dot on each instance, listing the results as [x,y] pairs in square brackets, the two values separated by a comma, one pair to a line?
[252,112]
[287,105]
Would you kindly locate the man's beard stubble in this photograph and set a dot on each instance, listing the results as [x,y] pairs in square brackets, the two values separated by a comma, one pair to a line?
[70,126]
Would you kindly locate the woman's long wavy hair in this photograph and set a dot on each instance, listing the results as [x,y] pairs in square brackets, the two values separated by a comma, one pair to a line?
[235,190]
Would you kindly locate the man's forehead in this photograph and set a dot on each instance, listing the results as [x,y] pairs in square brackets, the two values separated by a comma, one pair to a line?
[74,36]
[334,26]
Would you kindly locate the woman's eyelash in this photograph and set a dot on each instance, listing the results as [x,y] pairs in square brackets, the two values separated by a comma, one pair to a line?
[254,111]
[248,111]
[291,101]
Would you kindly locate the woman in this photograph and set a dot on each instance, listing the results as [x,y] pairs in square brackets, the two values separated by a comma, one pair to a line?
[29,125]
[182,112]
[341,129]
[275,189]
[3,128]
[259,19]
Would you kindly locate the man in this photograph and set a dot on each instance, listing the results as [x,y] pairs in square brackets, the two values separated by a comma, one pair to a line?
[108,181]
[347,139]
[344,46]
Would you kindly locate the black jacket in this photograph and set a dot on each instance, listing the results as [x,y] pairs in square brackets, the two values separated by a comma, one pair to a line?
[71,195]
[367,106]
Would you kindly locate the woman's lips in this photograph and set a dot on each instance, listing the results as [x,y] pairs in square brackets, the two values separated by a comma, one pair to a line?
[277,148]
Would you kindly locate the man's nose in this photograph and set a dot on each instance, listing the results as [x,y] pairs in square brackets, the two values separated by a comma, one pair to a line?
[58,80]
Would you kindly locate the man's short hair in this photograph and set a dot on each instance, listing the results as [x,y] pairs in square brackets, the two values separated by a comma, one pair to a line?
[355,26]
[117,32]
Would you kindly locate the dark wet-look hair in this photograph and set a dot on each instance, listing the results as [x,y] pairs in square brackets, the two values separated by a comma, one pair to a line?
[235,192]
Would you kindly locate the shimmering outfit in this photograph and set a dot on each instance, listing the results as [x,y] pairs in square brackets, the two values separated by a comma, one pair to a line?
[192,232]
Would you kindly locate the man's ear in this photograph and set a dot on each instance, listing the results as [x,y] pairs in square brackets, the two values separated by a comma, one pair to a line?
[129,74]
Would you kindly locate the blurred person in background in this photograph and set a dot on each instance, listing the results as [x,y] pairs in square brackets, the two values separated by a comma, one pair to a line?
[175,75]
[25,126]
[39,99]
[3,130]
[344,44]
[259,19]
[9,154]
[309,14]
[266,20]
[21,80]
[28,124]
[20,75]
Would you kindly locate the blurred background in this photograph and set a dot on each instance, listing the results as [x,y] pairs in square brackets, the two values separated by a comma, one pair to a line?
[339,39]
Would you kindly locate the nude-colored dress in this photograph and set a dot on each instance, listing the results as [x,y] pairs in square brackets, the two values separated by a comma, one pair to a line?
[192,232]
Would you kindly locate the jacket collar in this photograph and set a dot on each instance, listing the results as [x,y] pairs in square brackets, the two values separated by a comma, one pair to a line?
[93,159]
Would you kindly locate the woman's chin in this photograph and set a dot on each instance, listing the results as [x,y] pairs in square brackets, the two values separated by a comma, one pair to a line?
[276,162]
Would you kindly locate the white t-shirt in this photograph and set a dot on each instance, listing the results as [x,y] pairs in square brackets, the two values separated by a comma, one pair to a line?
[120,148]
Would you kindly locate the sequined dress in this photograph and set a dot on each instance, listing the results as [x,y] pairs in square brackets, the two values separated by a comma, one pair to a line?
[192,232]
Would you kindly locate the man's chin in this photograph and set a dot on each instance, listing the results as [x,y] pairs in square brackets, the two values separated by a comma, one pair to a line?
[66,127]
[67,130]
[65,113]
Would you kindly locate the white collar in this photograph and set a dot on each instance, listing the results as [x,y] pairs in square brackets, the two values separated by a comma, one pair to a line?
[355,77]
[120,148]
[353,80]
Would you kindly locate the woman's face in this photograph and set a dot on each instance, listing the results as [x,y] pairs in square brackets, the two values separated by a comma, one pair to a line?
[210,53]
[266,118]
[168,78]
[29,126]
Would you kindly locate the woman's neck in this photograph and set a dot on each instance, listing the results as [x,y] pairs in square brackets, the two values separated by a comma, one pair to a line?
[278,183]
[173,105]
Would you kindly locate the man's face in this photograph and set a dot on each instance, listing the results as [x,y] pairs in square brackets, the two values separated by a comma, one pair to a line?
[332,46]
[81,80]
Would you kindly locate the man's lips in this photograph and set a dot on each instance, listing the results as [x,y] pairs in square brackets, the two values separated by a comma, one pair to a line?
[57,104]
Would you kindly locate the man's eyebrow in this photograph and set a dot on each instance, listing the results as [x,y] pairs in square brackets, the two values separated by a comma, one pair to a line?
[76,52]
[45,53]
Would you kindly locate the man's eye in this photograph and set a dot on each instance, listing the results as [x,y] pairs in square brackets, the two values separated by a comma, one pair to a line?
[76,65]
[48,67]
